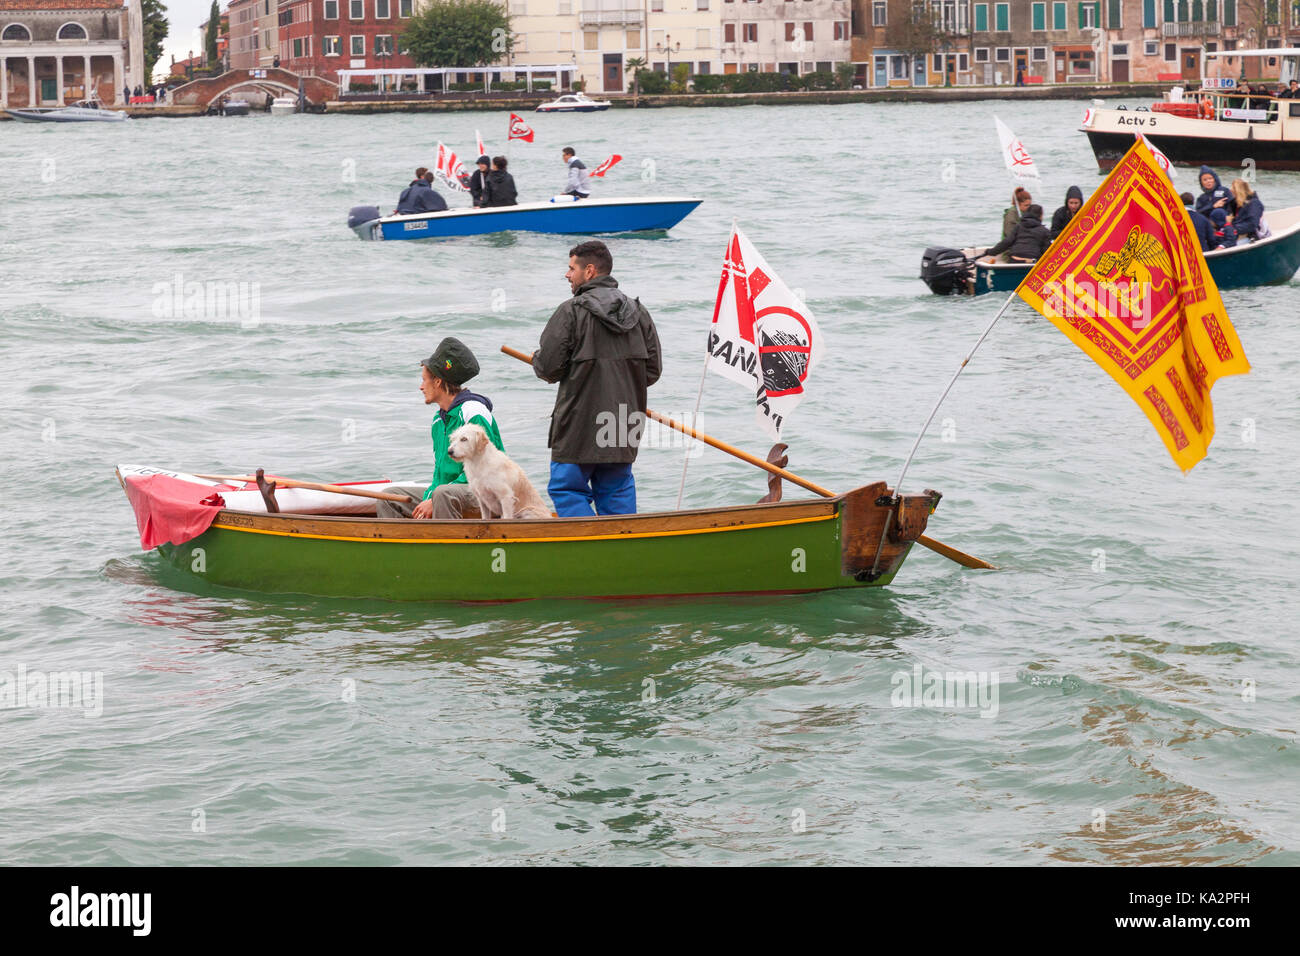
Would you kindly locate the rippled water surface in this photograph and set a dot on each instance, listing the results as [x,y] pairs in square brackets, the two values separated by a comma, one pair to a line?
[1142,627]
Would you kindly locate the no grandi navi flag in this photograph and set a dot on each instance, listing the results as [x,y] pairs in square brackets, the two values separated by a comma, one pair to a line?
[762,336]
[1127,282]
[1019,163]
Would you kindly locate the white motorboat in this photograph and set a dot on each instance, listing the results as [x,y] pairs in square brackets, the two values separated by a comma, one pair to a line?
[574,103]
[84,111]
[284,105]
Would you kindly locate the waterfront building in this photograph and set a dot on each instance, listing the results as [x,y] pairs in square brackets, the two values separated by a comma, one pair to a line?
[55,52]
[785,36]
[321,37]
[245,40]
[600,36]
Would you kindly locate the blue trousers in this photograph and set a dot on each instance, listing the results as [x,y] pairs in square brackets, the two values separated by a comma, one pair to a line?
[573,488]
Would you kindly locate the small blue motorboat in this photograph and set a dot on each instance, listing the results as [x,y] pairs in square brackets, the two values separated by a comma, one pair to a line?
[1268,261]
[632,214]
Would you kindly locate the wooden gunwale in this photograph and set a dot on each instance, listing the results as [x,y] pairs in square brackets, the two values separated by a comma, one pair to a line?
[653,524]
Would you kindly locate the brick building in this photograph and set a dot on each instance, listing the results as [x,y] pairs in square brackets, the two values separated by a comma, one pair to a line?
[321,37]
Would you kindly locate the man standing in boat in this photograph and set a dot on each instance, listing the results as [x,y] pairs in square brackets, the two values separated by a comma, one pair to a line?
[603,350]
[442,379]
[578,185]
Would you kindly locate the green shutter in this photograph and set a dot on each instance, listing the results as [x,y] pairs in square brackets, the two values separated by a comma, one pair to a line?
[1229,13]
[1002,12]
[1081,8]
[1113,15]
[1169,11]
[1058,16]
[1096,14]
[1039,21]
[1148,14]
[981,17]
[1212,11]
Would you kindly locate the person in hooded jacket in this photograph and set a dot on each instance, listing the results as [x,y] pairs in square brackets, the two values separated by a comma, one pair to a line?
[478,180]
[420,196]
[1029,241]
[1204,228]
[1061,218]
[500,185]
[602,348]
[1214,195]
[1248,220]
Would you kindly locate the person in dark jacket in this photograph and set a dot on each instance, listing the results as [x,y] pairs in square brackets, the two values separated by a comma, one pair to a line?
[126,95]
[1061,218]
[1248,220]
[1029,241]
[1204,228]
[1292,92]
[1214,195]
[1225,237]
[500,185]
[478,180]
[420,196]
[603,350]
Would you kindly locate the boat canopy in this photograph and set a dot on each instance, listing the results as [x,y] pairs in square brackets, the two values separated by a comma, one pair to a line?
[1290,59]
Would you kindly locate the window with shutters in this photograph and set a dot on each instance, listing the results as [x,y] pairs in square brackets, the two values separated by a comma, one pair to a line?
[1114,15]
[1229,13]
[981,17]
[728,33]
[1038,16]
[808,30]
[789,33]
[333,46]
[750,32]
[1088,15]
[1148,14]
[1058,16]
[1002,17]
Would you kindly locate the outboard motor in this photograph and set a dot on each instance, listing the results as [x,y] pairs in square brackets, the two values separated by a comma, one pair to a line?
[360,219]
[360,215]
[946,271]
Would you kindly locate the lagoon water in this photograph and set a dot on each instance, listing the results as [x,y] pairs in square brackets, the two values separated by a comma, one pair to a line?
[1141,632]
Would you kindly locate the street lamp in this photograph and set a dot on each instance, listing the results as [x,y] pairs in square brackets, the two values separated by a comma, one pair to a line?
[667,48]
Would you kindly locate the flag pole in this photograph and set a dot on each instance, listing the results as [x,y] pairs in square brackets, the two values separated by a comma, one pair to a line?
[695,416]
[898,485]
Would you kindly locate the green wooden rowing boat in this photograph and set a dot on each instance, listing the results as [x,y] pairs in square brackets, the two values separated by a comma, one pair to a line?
[782,547]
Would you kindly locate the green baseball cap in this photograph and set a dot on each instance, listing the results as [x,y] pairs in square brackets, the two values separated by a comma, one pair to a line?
[452,361]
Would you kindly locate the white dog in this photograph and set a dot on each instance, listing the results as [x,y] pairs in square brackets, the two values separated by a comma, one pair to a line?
[502,488]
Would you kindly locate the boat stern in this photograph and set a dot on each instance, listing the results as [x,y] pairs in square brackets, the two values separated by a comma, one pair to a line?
[364,221]
[878,529]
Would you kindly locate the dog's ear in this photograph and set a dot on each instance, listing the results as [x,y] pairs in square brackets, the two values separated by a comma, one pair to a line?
[481,439]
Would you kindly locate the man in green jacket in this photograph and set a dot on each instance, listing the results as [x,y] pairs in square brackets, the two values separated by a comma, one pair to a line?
[442,379]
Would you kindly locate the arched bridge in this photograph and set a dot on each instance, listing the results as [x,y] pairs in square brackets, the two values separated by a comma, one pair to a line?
[204,92]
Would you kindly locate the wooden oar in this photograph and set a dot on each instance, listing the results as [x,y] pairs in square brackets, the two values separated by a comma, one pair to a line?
[949,552]
[314,486]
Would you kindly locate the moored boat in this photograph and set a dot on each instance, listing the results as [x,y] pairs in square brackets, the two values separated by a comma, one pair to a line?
[858,539]
[1263,262]
[630,214]
[574,103]
[85,111]
[284,106]
[1219,124]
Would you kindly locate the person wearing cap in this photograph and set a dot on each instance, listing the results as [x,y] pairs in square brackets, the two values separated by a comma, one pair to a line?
[602,349]
[478,180]
[442,382]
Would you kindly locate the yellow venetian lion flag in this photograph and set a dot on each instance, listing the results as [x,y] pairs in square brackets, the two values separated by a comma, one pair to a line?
[1127,282]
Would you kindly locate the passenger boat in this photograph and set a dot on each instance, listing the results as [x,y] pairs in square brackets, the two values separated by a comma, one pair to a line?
[630,214]
[84,111]
[284,106]
[574,103]
[1216,125]
[222,534]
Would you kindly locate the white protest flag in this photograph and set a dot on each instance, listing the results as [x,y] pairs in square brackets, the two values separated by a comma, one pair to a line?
[1019,163]
[478,142]
[762,336]
[449,169]
[1161,159]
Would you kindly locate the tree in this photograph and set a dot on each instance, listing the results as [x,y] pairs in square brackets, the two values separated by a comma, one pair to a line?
[844,74]
[155,31]
[919,35]
[210,40]
[681,77]
[635,64]
[459,33]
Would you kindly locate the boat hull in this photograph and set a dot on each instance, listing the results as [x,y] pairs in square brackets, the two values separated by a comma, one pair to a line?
[1265,262]
[572,109]
[1110,147]
[67,116]
[582,217]
[789,547]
